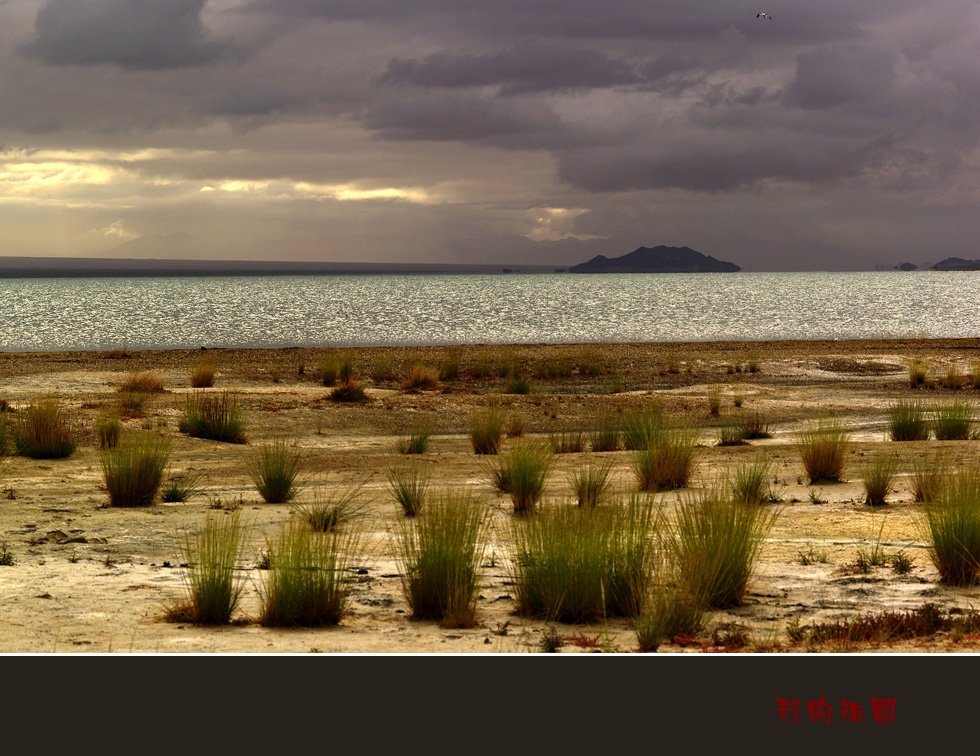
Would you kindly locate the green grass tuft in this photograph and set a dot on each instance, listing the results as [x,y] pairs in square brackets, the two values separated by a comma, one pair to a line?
[214,583]
[44,431]
[714,543]
[822,448]
[307,582]
[953,524]
[441,553]
[907,421]
[216,417]
[133,470]
[486,430]
[274,469]
[580,564]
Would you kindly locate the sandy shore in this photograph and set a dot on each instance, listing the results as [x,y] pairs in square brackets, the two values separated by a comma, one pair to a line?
[86,577]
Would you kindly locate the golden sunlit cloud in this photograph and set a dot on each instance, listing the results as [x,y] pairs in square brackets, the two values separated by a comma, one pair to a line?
[351,192]
[555,223]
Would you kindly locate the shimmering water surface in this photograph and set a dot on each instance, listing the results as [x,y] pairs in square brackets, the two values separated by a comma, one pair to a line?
[52,314]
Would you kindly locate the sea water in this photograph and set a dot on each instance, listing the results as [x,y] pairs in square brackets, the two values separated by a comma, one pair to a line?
[55,314]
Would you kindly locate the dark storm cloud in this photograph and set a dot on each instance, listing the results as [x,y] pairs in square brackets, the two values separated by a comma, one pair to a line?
[700,165]
[462,116]
[133,34]
[517,70]
[830,77]
[613,19]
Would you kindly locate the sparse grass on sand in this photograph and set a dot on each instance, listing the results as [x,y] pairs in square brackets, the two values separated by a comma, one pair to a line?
[579,564]
[217,417]
[214,582]
[308,581]
[274,468]
[44,431]
[441,553]
[133,470]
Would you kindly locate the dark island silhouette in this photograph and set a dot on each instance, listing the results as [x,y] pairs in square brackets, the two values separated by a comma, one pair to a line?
[659,259]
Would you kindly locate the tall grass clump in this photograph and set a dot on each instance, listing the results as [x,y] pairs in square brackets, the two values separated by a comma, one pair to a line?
[953,524]
[641,429]
[731,434]
[143,382]
[580,564]
[214,584]
[822,448]
[953,421]
[907,421]
[714,401]
[670,613]
[486,430]
[409,487]
[441,553]
[133,471]
[590,483]
[608,436]
[348,391]
[308,583]
[449,367]
[330,510]
[327,370]
[878,474]
[274,468]
[754,426]
[567,442]
[668,461]
[749,481]
[416,442]
[918,374]
[928,475]
[217,417]
[44,431]
[714,543]
[108,429]
[179,488]
[202,376]
[525,469]
[420,378]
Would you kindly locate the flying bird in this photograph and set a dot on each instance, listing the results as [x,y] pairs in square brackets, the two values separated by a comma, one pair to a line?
[763,14]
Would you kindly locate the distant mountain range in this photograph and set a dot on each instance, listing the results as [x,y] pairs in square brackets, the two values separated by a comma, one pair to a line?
[659,259]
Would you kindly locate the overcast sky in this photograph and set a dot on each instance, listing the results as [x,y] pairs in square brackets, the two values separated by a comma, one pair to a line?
[835,134]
